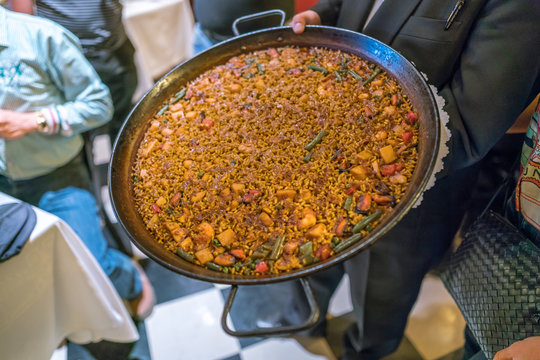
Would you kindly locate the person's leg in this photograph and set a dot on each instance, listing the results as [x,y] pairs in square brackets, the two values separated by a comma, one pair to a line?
[78,209]
[396,265]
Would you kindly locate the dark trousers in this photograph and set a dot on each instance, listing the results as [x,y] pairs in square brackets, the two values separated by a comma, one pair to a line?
[385,279]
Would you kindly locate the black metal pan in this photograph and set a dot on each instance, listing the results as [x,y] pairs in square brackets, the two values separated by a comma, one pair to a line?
[125,147]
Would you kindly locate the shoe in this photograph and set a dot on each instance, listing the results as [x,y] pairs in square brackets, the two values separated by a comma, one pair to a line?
[141,307]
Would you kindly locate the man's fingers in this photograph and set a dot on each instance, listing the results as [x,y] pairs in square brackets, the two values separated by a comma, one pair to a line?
[299,27]
[298,24]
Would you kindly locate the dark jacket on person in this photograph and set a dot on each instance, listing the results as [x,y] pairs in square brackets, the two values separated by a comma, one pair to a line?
[485,88]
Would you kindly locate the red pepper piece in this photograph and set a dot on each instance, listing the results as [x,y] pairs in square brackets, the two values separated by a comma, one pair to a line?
[411,118]
[250,196]
[261,267]
[175,199]
[272,52]
[323,252]
[388,170]
[363,204]
[350,190]
[407,137]
[206,124]
[156,208]
[399,166]
[394,100]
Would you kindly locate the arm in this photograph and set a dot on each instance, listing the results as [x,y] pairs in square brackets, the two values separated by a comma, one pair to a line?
[83,101]
[13,125]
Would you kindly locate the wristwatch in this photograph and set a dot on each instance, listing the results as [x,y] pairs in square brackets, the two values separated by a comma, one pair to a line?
[42,124]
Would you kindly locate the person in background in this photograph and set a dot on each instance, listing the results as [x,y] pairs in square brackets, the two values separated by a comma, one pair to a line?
[519,143]
[99,27]
[475,54]
[49,95]
[523,210]
[214,18]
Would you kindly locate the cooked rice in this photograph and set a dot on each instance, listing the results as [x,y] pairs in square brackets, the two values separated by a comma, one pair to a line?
[244,126]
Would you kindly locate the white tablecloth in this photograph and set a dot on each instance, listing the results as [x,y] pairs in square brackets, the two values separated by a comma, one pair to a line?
[161,32]
[54,289]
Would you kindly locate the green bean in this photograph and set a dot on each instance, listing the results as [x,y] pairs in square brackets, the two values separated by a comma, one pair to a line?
[315,141]
[347,242]
[306,250]
[185,255]
[216,242]
[372,76]
[366,221]
[163,109]
[136,179]
[212,266]
[179,95]
[260,69]
[278,246]
[249,62]
[338,77]
[307,158]
[261,252]
[348,203]
[318,68]
[355,75]
[225,270]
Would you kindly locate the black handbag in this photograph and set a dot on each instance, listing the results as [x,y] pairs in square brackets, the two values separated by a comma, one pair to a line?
[494,277]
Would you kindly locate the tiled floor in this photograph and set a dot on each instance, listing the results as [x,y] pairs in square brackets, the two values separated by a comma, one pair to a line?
[185,323]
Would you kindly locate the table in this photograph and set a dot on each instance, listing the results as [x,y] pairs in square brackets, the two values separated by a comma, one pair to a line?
[161,32]
[53,290]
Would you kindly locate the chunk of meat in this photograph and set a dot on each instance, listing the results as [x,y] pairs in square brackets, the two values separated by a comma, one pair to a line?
[225,260]
[203,234]
[204,255]
[227,237]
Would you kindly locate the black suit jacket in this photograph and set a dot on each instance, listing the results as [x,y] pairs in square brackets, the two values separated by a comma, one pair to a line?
[486,65]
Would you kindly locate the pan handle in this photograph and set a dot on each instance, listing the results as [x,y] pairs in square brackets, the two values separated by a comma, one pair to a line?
[265,332]
[257,16]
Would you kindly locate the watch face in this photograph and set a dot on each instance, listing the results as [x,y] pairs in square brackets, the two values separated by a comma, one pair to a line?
[42,123]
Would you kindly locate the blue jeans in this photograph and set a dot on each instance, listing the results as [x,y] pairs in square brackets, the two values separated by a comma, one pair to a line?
[64,193]
[78,209]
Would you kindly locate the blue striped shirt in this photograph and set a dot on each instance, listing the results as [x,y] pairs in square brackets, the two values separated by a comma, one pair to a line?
[42,68]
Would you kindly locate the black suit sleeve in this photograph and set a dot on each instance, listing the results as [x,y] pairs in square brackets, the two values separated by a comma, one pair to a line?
[328,10]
